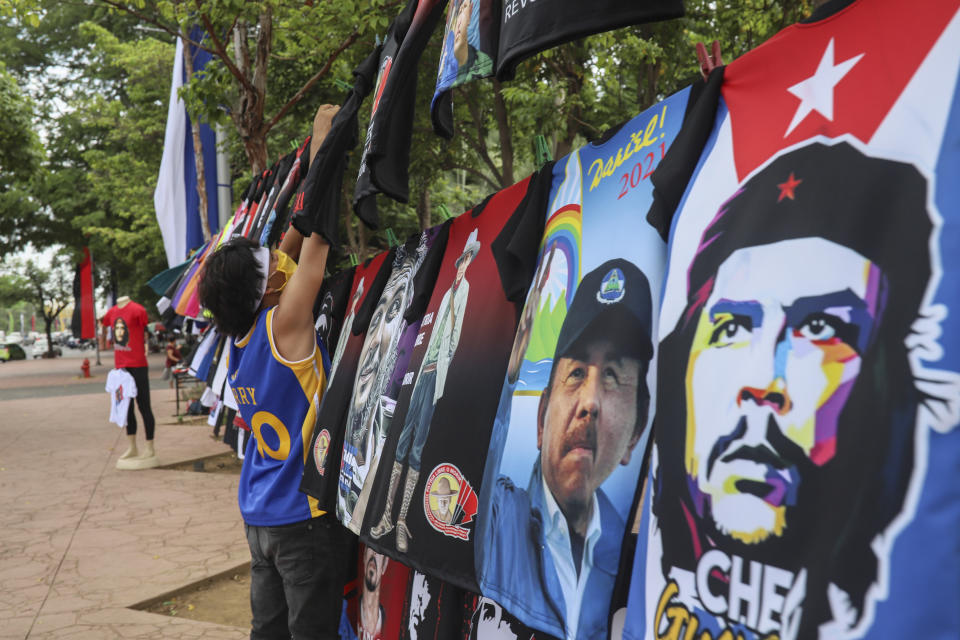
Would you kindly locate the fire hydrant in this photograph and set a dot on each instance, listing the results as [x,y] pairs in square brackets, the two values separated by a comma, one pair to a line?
[85,367]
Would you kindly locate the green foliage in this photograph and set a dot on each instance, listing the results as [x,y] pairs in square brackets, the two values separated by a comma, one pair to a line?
[20,156]
[105,155]
[14,288]
[46,285]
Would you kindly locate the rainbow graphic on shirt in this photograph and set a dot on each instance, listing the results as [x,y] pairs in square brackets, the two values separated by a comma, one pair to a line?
[563,231]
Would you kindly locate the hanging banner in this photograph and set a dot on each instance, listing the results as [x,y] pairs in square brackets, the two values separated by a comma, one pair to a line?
[806,445]
[571,428]
[83,325]
[423,505]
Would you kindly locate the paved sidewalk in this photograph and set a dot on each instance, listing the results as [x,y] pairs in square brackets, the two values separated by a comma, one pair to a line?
[81,541]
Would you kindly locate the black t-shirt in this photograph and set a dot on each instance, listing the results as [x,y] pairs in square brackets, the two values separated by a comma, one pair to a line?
[318,210]
[434,609]
[331,305]
[279,218]
[448,396]
[528,27]
[326,444]
[260,198]
[278,179]
[484,619]
[387,151]
[364,195]
[426,277]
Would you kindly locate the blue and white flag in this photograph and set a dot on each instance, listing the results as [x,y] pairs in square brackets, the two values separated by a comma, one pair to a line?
[176,199]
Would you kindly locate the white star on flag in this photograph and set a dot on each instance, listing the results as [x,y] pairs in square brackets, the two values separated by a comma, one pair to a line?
[816,92]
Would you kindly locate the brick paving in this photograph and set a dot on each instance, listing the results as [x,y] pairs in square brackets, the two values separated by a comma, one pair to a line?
[81,541]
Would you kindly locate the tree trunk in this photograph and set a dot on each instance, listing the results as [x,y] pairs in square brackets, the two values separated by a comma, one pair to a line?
[362,249]
[574,60]
[506,142]
[423,209]
[48,320]
[247,114]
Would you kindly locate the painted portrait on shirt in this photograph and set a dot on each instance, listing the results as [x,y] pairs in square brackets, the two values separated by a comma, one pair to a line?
[572,425]
[795,395]
[433,609]
[468,52]
[487,620]
[382,595]
[423,505]
[375,390]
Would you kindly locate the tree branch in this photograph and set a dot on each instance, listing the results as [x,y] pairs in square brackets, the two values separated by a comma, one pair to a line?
[479,174]
[217,51]
[298,96]
[481,146]
[221,52]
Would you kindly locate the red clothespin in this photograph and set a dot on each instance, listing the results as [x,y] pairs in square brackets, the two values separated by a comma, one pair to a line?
[709,62]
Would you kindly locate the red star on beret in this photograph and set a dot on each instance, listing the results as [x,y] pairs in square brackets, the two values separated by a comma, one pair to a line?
[787,188]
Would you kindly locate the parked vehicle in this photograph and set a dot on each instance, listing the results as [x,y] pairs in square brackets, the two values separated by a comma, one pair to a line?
[12,351]
[41,348]
[14,338]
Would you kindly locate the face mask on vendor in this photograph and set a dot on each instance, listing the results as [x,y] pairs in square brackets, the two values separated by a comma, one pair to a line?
[280,263]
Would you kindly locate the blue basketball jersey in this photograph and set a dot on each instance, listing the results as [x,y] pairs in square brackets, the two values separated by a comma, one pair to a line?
[279,400]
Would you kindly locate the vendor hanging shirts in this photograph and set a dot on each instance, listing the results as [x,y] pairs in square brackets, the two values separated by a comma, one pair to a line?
[571,429]
[322,468]
[317,205]
[424,503]
[806,440]
[279,399]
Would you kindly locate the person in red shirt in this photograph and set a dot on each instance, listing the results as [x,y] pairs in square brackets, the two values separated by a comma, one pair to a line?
[173,357]
[129,322]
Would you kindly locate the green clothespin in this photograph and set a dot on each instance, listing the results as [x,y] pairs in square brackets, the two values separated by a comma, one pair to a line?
[392,237]
[294,145]
[541,152]
[353,260]
[343,84]
[444,212]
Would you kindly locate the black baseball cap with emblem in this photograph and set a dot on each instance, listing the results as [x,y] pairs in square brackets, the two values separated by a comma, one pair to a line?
[613,302]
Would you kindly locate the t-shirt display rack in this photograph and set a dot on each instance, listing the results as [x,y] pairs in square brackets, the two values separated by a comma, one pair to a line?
[740,493]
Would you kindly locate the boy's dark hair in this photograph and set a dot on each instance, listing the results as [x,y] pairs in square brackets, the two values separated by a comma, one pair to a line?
[230,286]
